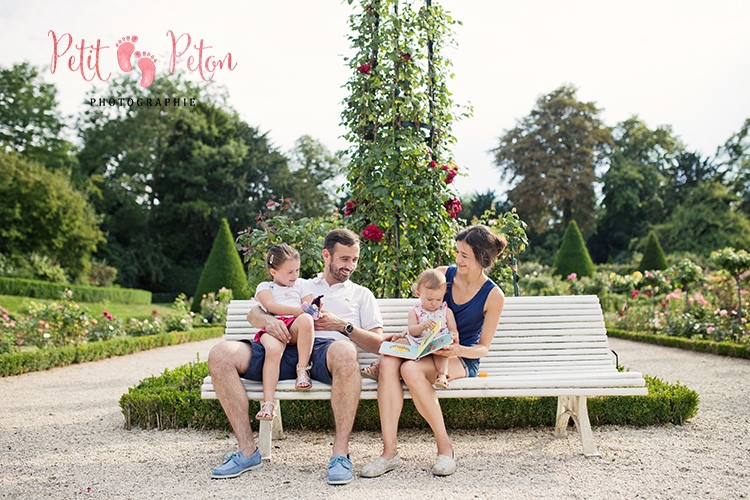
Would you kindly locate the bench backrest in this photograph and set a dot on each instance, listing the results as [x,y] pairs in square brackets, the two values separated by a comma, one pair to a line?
[535,334]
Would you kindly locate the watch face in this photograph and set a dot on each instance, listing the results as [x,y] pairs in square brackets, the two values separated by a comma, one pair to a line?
[349,328]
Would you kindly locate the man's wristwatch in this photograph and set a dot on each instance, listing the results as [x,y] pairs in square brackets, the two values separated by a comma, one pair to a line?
[348,329]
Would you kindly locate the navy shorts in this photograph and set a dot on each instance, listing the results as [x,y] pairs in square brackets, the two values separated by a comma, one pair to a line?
[471,366]
[288,365]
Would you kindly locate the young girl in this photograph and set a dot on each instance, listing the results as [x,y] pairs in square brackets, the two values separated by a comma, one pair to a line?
[283,298]
[431,309]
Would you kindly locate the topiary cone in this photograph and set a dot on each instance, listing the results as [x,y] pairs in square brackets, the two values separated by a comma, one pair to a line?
[223,268]
[573,256]
[653,256]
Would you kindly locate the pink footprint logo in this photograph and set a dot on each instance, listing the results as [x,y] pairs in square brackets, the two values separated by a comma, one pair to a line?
[148,69]
[125,50]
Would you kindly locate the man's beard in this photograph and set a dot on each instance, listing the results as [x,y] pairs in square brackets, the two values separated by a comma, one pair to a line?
[337,274]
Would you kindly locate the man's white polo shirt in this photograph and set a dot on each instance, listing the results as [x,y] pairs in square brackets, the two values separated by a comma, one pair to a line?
[351,302]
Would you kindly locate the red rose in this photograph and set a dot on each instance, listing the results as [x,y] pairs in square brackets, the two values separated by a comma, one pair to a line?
[433,164]
[373,233]
[453,206]
[365,69]
[349,207]
[406,56]
[451,175]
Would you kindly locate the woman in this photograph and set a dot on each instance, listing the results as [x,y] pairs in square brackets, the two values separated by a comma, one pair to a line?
[476,302]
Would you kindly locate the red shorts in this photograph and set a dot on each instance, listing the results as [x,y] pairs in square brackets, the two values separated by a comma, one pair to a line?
[288,320]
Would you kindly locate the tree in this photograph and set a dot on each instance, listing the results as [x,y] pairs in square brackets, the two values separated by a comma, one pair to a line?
[551,156]
[223,268]
[41,212]
[708,220]
[311,174]
[399,116]
[168,175]
[653,256]
[30,122]
[633,187]
[478,203]
[573,256]
[736,152]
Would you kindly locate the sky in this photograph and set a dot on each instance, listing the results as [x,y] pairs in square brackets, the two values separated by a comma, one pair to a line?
[681,63]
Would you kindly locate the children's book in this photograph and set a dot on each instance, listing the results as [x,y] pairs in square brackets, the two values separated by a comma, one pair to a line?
[429,344]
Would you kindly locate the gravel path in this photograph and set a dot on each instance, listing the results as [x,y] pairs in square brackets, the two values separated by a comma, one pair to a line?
[62,436]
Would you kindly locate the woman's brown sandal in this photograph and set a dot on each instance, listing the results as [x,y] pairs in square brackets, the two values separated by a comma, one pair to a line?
[266,411]
[372,371]
[441,381]
[303,382]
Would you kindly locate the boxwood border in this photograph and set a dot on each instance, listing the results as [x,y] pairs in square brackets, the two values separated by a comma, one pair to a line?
[43,359]
[173,401]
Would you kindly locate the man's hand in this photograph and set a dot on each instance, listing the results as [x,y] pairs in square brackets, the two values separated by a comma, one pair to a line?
[395,336]
[275,327]
[330,322]
[278,330]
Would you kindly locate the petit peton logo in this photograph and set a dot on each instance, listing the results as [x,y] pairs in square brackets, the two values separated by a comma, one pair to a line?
[201,61]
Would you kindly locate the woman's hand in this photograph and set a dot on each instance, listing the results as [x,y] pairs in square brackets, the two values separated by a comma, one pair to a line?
[450,350]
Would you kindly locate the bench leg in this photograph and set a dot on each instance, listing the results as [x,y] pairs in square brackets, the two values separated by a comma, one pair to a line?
[270,430]
[576,407]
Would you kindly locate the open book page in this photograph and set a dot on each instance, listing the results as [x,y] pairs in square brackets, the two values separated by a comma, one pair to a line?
[429,344]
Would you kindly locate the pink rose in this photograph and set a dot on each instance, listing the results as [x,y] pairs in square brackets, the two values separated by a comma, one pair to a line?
[453,206]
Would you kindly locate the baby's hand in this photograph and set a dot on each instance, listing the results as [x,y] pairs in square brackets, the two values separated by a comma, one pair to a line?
[429,324]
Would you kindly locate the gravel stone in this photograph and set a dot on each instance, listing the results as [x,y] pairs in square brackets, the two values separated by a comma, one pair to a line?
[62,435]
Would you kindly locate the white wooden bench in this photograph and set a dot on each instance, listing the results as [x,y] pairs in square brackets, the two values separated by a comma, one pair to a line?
[544,346]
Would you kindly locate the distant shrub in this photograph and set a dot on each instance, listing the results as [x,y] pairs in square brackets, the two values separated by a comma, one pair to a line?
[223,269]
[653,256]
[44,290]
[573,256]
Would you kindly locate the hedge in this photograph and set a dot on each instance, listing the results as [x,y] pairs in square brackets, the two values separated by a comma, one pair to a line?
[44,359]
[47,290]
[173,400]
[709,346]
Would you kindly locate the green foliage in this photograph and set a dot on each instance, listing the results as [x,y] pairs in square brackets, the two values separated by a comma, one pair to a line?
[45,290]
[30,121]
[172,401]
[550,157]
[223,269]
[214,307]
[573,257]
[41,212]
[399,116]
[33,267]
[634,187]
[736,263]
[306,235]
[44,359]
[166,176]
[707,220]
[653,256]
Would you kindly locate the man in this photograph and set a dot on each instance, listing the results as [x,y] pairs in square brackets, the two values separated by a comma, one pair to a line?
[349,316]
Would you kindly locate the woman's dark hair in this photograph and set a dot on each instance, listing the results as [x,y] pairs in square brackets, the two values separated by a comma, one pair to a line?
[278,254]
[486,245]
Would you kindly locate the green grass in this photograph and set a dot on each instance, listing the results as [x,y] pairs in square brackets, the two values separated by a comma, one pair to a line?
[18,307]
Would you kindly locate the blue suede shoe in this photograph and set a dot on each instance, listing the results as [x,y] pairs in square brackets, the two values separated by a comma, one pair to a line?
[235,464]
[339,470]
